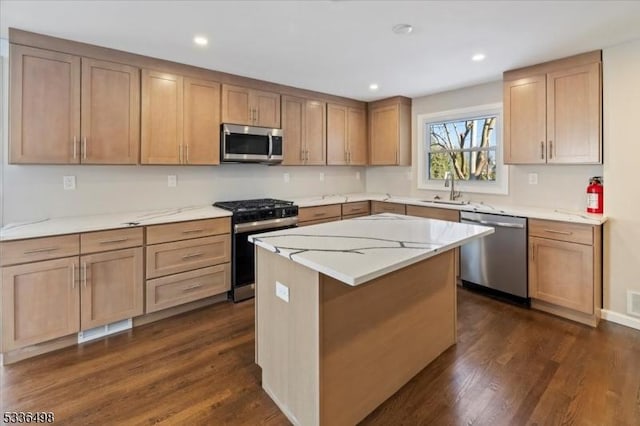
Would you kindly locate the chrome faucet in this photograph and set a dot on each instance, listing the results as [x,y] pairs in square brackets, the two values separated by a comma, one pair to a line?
[453,194]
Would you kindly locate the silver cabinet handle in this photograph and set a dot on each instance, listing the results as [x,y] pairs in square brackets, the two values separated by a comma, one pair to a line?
[84,273]
[119,240]
[75,148]
[180,153]
[542,150]
[345,157]
[187,149]
[192,287]
[307,153]
[550,149]
[319,214]
[73,275]
[84,147]
[41,250]
[192,231]
[553,231]
[533,252]
[192,255]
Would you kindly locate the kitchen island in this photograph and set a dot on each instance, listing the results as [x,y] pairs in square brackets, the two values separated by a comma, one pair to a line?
[348,312]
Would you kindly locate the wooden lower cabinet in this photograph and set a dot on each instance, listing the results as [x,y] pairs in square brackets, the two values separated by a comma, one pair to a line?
[565,276]
[385,207]
[112,287]
[330,211]
[40,302]
[182,256]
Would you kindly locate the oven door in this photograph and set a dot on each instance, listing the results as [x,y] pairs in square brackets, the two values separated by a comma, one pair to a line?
[243,273]
[250,144]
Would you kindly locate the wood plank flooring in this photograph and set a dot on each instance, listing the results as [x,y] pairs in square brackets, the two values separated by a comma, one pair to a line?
[511,366]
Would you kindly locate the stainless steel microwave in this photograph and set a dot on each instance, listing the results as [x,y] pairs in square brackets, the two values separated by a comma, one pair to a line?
[248,144]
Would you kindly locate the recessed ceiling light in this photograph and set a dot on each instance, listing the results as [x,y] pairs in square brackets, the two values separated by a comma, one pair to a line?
[200,40]
[373,86]
[478,57]
[402,29]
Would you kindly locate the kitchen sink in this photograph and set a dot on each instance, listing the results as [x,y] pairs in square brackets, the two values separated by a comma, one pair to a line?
[454,202]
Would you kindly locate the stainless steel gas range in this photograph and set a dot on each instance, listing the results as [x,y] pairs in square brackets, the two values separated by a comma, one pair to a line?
[251,217]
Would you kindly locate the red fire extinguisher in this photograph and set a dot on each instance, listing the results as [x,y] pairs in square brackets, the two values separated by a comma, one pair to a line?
[595,195]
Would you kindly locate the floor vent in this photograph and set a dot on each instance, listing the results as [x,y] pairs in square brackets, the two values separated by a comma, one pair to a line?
[633,302]
[114,327]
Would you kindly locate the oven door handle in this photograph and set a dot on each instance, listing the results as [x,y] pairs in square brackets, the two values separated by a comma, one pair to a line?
[265,224]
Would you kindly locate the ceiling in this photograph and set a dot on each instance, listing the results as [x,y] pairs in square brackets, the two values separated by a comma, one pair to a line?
[340,47]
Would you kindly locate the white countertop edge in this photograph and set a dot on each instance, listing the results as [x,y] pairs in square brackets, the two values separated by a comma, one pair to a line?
[356,281]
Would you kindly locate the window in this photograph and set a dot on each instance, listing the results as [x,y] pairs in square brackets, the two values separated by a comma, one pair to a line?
[465,143]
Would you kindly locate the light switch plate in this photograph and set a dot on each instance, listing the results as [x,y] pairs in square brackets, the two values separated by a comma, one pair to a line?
[321,177]
[357,175]
[172,181]
[69,183]
[533,178]
[282,291]
[286,177]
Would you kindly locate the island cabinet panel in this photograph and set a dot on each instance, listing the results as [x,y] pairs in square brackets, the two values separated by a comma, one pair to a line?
[40,302]
[110,127]
[565,269]
[386,207]
[112,287]
[45,106]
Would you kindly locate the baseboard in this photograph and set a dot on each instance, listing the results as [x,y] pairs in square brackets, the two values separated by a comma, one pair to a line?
[622,319]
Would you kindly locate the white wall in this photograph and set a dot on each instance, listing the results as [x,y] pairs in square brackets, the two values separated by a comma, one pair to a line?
[30,192]
[558,186]
[621,78]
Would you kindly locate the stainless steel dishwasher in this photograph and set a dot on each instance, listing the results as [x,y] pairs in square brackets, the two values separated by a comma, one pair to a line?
[498,262]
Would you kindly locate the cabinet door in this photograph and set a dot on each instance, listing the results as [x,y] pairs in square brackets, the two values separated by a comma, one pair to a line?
[110,128]
[574,115]
[293,111]
[385,133]
[112,287]
[266,106]
[525,120]
[315,132]
[337,134]
[162,119]
[201,122]
[40,302]
[45,106]
[561,273]
[357,136]
[236,108]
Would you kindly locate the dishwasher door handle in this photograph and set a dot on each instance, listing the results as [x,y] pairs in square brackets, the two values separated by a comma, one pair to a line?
[499,224]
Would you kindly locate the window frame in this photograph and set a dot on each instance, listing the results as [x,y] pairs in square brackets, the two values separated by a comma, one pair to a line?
[499,186]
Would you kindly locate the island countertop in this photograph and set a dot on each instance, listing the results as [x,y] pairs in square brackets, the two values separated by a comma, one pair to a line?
[358,250]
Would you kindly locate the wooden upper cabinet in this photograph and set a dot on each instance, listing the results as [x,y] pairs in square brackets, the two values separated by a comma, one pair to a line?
[241,105]
[162,118]
[525,120]
[553,112]
[346,135]
[45,106]
[574,110]
[201,122]
[110,128]
[357,136]
[304,128]
[390,132]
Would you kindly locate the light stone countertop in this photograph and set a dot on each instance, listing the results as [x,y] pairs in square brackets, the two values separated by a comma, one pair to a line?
[562,215]
[76,224]
[358,250]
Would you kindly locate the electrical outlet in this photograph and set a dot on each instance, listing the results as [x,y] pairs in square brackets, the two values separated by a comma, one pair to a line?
[172,181]
[533,178]
[286,177]
[321,177]
[69,183]
[357,175]
[409,175]
[282,291]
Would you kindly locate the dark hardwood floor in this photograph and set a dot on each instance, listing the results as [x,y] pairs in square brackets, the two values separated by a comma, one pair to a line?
[511,366]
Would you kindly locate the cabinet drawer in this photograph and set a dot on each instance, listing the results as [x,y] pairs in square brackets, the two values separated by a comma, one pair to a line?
[306,214]
[384,207]
[110,240]
[23,251]
[315,222]
[434,213]
[157,234]
[561,231]
[163,293]
[181,256]
[361,207]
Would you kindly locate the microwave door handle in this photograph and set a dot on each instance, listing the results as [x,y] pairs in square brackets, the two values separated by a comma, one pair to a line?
[270,145]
